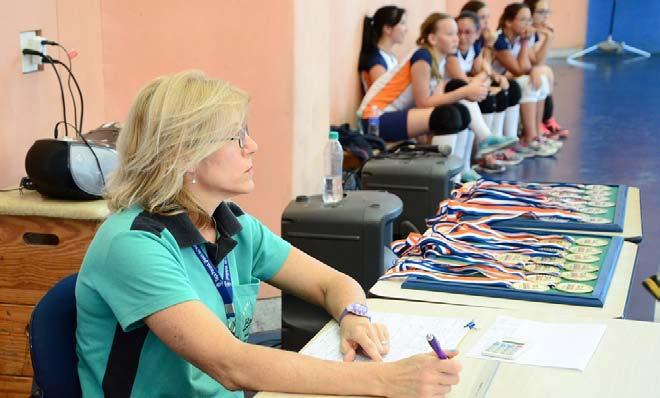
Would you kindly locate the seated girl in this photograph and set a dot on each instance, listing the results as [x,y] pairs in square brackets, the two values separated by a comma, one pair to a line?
[513,57]
[503,96]
[544,31]
[380,34]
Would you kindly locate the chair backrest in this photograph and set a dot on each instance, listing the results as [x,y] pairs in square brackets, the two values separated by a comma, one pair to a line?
[53,342]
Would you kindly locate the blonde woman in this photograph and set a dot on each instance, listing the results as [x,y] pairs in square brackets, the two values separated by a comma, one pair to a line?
[167,289]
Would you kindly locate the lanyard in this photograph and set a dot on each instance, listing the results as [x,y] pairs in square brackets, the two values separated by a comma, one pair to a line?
[222,283]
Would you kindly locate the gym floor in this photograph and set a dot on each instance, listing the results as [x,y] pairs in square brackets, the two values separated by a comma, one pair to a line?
[613,113]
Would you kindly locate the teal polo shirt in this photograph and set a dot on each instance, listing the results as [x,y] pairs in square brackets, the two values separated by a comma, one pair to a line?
[140,263]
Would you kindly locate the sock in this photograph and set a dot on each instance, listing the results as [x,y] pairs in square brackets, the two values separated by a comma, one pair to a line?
[498,124]
[478,125]
[511,121]
[467,151]
[488,119]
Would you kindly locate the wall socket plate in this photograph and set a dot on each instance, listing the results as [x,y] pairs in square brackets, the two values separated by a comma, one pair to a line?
[31,63]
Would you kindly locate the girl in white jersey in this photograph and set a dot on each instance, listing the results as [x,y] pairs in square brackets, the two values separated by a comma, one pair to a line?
[514,56]
[504,95]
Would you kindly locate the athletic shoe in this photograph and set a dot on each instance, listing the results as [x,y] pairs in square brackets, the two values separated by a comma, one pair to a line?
[524,151]
[508,158]
[494,143]
[553,126]
[470,175]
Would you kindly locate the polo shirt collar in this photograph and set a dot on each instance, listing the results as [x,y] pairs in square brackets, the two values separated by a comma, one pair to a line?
[186,233]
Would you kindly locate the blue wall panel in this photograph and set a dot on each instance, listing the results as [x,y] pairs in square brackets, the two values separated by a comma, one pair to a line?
[636,22]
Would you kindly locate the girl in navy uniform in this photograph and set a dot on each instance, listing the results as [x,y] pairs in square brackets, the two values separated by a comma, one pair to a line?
[514,57]
[503,96]
[540,13]
[380,34]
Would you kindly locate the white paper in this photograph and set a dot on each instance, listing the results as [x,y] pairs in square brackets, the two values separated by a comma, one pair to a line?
[559,345]
[407,336]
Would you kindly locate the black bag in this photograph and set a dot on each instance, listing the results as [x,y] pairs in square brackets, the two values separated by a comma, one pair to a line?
[361,146]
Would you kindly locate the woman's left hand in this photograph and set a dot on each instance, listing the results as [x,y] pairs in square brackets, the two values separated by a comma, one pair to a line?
[359,333]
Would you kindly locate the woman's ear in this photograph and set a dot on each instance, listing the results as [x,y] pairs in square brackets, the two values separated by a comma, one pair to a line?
[387,29]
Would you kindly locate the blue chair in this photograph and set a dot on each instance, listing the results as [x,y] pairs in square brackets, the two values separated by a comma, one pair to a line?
[53,342]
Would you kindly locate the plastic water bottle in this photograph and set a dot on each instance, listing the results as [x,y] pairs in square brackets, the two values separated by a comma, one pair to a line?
[333,191]
[374,121]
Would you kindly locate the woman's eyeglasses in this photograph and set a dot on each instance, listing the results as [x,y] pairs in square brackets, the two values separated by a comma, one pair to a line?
[543,12]
[241,137]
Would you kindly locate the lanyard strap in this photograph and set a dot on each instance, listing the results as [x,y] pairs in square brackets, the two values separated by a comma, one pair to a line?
[221,282]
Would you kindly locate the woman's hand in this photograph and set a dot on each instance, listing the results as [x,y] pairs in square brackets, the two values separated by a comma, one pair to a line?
[358,332]
[423,376]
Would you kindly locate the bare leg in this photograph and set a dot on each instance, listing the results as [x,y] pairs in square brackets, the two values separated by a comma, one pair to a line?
[418,121]
[529,123]
[539,111]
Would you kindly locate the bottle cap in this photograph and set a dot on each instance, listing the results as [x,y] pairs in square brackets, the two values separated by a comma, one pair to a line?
[333,135]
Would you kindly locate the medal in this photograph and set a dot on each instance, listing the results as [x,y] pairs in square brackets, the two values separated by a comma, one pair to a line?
[598,188]
[592,210]
[584,250]
[594,242]
[582,258]
[595,220]
[581,267]
[571,287]
[601,204]
[530,286]
[542,269]
[579,276]
[543,279]
[548,260]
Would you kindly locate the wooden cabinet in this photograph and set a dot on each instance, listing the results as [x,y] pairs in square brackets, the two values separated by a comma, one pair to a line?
[37,250]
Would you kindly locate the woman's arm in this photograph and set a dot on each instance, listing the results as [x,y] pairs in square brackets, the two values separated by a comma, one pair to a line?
[195,333]
[308,278]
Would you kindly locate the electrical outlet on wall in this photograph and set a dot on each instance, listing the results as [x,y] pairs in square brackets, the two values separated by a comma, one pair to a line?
[32,40]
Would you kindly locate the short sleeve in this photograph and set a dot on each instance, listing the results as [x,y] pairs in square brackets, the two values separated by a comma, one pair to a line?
[421,55]
[142,275]
[375,59]
[477,49]
[269,250]
[501,43]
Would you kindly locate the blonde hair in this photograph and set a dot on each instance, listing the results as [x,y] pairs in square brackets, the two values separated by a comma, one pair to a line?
[174,122]
[429,27]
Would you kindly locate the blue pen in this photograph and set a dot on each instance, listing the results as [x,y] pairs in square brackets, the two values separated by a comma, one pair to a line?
[433,342]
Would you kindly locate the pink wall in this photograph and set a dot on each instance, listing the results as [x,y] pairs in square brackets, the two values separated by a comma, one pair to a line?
[569,18]
[30,103]
[247,43]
